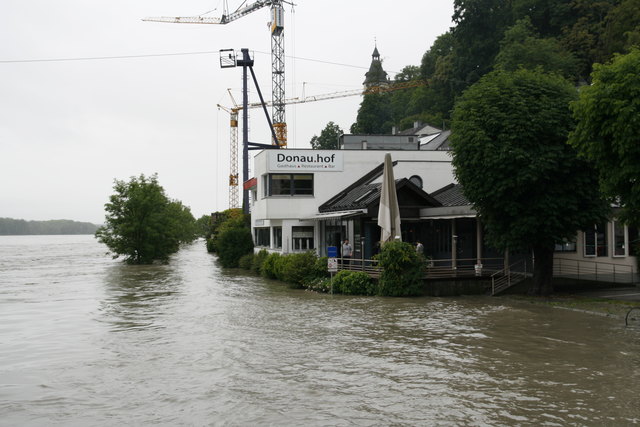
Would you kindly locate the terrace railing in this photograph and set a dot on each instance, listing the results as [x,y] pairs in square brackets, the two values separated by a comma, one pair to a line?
[594,271]
[433,268]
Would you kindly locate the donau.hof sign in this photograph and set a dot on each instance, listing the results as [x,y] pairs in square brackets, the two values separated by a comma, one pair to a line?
[305,161]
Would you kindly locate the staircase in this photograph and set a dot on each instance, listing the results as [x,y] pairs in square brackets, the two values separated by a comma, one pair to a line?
[508,277]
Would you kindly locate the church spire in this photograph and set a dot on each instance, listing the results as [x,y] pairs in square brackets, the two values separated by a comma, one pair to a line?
[376,74]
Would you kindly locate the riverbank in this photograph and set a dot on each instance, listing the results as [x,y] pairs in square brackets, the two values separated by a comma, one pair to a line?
[607,307]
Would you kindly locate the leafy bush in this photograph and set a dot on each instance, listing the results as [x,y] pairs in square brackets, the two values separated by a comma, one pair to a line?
[246,261]
[271,266]
[353,283]
[298,267]
[232,244]
[258,261]
[402,270]
[320,268]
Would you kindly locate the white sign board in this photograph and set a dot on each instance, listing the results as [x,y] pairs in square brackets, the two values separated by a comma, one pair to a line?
[332,265]
[305,161]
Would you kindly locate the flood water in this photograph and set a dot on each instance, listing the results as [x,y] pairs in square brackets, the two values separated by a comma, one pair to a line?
[86,340]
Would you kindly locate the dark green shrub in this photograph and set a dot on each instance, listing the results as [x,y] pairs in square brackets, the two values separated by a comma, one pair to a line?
[402,270]
[246,261]
[320,268]
[298,267]
[353,283]
[211,247]
[258,261]
[232,244]
[271,266]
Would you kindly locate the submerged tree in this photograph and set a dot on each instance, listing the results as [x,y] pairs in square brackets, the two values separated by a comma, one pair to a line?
[142,224]
[511,157]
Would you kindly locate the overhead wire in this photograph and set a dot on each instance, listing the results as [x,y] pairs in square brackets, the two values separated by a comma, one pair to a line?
[156,55]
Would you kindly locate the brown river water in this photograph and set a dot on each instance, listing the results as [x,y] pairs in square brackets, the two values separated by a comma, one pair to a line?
[89,341]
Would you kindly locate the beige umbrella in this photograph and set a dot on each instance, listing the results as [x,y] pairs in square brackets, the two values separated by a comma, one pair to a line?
[389,213]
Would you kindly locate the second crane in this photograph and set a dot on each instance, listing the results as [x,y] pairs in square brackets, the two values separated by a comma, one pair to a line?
[276,28]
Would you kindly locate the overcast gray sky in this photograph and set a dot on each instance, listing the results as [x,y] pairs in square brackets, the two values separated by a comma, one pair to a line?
[69,128]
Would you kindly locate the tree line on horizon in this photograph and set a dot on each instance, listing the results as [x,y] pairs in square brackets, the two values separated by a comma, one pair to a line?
[19,227]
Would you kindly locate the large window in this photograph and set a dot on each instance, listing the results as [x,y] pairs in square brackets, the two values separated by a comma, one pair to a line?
[595,241]
[277,237]
[634,240]
[302,238]
[262,237]
[290,184]
[619,243]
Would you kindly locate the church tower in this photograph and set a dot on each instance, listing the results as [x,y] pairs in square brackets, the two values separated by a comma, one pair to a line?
[376,76]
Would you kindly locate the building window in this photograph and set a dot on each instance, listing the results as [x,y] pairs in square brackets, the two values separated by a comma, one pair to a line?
[634,240]
[290,184]
[277,237]
[262,236]
[619,244]
[595,241]
[302,238]
[265,186]
[566,246]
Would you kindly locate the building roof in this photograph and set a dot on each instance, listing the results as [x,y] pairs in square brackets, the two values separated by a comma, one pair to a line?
[364,193]
[439,142]
[451,195]
[420,129]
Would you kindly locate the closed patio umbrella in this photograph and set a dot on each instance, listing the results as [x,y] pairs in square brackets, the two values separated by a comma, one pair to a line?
[389,211]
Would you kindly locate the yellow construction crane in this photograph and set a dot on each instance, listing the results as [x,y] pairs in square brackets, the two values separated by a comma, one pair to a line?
[233,122]
[276,28]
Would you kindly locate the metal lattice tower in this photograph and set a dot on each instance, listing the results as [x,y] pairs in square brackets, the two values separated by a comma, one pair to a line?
[277,73]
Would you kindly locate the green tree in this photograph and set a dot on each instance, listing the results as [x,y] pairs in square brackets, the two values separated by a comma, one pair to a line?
[608,125]
[374,115]
[622,27]
[510,154]
[328,139]
[204,226]
[521,48]
[142,224]
[480,25]
[232,244]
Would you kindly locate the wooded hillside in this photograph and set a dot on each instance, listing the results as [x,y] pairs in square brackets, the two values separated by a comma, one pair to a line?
[562,36]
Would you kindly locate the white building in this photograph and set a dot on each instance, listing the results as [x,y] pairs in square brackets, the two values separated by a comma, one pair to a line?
[291,185]
[312,199]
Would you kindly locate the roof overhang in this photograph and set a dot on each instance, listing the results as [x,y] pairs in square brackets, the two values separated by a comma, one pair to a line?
[322,216]
[448,212]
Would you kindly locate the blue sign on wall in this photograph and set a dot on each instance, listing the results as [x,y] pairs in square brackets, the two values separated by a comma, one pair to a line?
[332,251]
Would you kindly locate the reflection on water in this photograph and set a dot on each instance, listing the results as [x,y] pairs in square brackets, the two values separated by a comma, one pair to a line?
[136,294]
[91,341]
